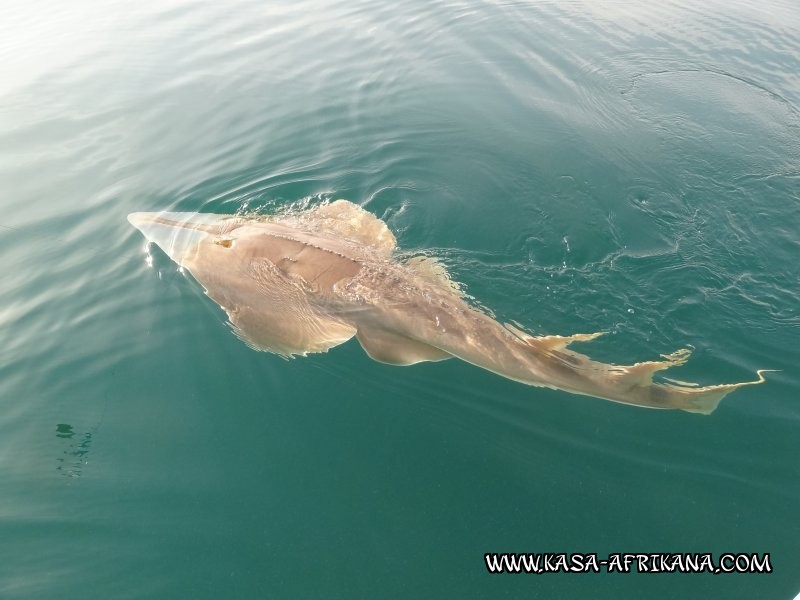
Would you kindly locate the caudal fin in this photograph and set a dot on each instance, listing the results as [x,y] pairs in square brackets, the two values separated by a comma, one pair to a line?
[704,400]
[633,384]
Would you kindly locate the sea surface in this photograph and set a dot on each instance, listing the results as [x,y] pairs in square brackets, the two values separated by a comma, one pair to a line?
[579,166]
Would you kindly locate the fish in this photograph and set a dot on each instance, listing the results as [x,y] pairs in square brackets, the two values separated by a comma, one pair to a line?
[306,281]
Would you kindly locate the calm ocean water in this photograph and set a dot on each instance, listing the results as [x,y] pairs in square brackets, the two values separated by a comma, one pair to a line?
[579,166]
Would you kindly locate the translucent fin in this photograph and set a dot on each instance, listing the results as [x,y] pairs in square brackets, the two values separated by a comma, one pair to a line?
[395,349]
[551,342]
[349,220]
[287,334]
[559,342]
[641,374]
[628,384]
[704,400]
[275,314]
[430,269]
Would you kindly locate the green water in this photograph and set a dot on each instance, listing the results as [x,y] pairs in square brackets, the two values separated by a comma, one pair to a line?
[579,166]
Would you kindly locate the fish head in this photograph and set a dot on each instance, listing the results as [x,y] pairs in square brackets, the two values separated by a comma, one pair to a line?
[274,281]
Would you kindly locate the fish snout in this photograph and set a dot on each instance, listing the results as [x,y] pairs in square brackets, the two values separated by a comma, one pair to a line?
[178,234]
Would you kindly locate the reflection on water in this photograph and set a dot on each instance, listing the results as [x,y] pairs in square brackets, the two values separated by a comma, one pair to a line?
[578,166]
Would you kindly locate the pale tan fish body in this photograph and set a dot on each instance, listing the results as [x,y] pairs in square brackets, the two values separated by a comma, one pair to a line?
[306,282]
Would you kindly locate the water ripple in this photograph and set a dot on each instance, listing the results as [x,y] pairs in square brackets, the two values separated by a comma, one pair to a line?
[578,166]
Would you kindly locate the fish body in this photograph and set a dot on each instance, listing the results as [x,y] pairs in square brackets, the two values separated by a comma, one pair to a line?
[305,282]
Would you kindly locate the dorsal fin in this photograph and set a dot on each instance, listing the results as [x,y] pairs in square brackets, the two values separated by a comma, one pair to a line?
[551,342]
[349,220]
[641,374]
[430,269]
[559,342]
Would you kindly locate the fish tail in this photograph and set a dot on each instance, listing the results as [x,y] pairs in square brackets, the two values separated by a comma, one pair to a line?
[701,400]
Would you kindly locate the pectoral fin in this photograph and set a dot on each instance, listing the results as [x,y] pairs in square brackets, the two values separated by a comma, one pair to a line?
[285,333]
[277,315]
[351,221]
[395,349]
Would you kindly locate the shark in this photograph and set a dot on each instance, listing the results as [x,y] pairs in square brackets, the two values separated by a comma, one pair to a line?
[306,281]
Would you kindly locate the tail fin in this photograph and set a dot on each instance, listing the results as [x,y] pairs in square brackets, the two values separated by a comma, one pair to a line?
[629,384]
[704,400]
[633,384]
